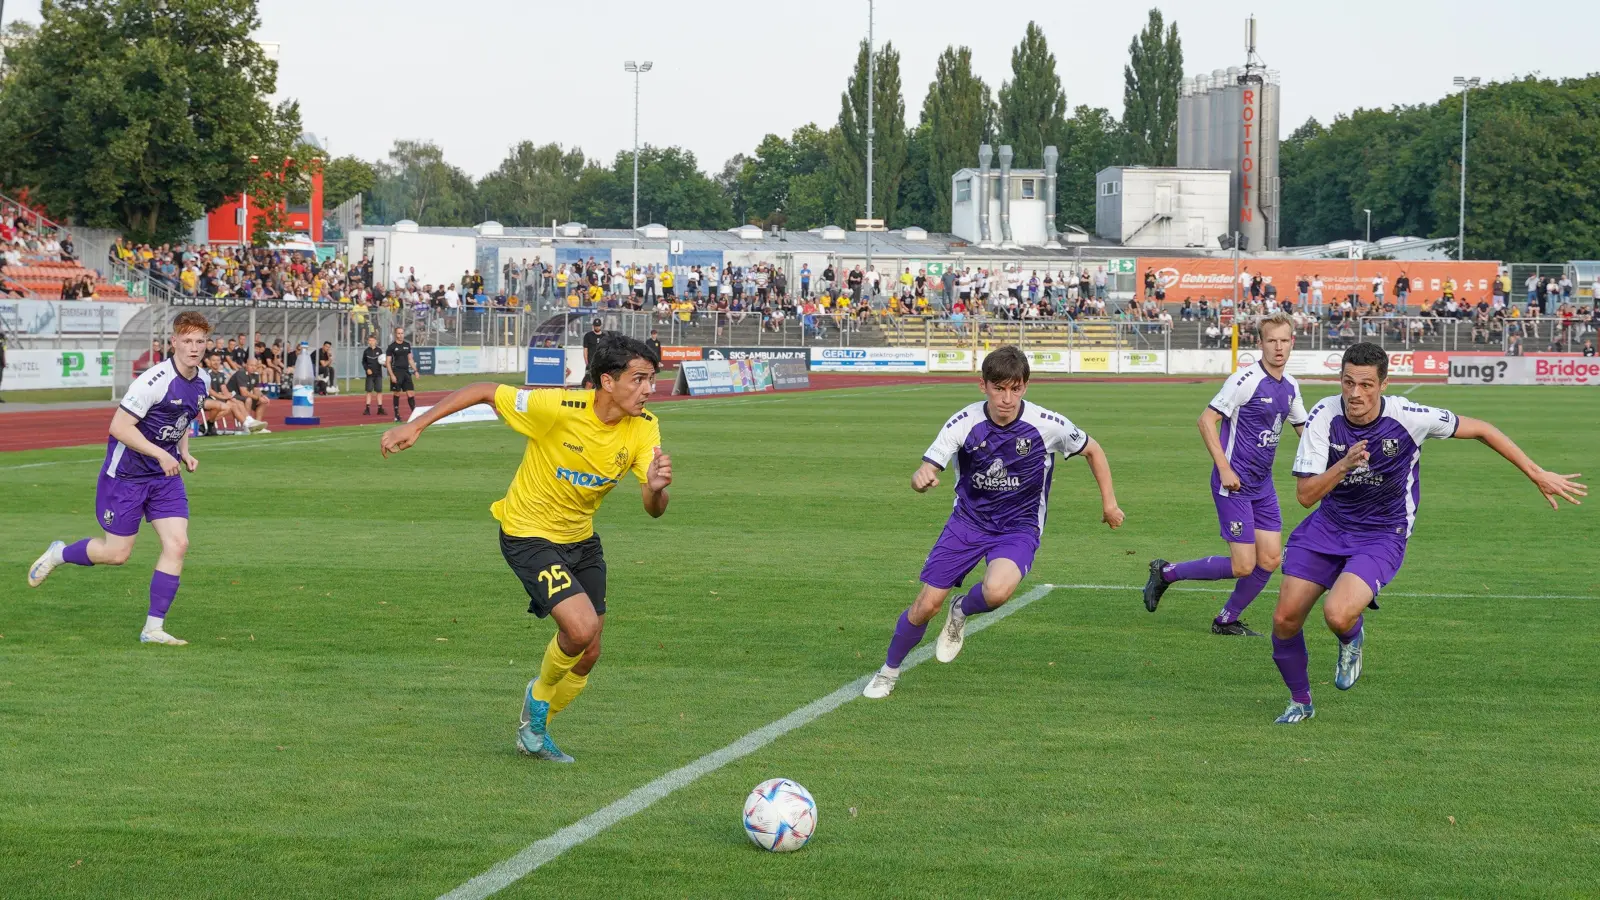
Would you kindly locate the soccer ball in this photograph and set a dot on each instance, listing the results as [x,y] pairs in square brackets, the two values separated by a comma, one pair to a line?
[779,815]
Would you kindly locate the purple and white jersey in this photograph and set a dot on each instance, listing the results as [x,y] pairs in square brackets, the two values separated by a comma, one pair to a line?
[1384,494]
[165,403]
[1254,407]
[1003,483]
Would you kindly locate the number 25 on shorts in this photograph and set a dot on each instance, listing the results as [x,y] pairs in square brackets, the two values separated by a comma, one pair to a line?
[555,579]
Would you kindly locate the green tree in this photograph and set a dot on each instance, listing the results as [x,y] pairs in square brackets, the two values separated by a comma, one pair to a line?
[126,114]
[533,185]
[1033,106]
[890,140]
[1091,140]
[672,191]
[1150,94]
[958,114]
[764,181]
[416,183]
[345,177]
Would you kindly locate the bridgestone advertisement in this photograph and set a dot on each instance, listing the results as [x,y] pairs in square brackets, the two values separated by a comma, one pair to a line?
[1567,370]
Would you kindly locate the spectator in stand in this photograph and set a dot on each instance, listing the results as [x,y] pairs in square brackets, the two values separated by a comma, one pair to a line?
[220,400]
[2,361]
[1588,349]
[149,357]
[245,384]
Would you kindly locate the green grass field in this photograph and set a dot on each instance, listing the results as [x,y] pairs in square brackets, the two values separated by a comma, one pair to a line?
[341,723]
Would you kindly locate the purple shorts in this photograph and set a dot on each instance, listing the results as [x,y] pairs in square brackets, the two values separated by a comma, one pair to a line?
[1319,552]
[960,547]
[121,502]
[1240,517]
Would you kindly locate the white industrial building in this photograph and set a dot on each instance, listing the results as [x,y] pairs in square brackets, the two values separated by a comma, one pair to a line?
[1007,208]
[1162,208]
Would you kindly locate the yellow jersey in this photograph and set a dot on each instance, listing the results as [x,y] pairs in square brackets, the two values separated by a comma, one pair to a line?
[571,462]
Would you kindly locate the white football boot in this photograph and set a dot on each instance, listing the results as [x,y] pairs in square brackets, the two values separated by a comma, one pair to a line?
[953,634]
[882,683]
[44,565]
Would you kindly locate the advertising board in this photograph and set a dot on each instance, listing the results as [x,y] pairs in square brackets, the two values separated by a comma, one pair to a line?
[882,360]
[1550,370]
[1142,362]
[950,361]
[545,367]
[28,370]
[768,353]
[1214,279]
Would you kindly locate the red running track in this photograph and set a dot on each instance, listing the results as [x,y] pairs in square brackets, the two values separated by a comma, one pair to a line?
[39,430]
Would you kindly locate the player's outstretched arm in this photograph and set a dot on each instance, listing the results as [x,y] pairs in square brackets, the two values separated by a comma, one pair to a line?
[1310,489]
[1550,484]
[1100,467]
[1210,419]
[125,428]
[402,436]
[654,489]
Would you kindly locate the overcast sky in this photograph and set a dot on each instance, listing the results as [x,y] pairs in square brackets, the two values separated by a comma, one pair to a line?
[477,76]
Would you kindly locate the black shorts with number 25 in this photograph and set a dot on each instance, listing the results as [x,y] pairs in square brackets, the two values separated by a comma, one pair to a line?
[552,572]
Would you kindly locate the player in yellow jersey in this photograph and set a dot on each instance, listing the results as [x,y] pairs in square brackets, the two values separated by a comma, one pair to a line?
[580,444]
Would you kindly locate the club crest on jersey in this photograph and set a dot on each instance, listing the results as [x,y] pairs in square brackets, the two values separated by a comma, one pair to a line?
[1235,529]
[1024,445]
[1391,446]
[622,461]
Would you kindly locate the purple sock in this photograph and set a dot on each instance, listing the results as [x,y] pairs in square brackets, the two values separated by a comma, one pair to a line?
[77,553]
[973,603]
[1245,590]
[1293,665]
[163,588]
[906,637]
[1210,568]
[1355,629]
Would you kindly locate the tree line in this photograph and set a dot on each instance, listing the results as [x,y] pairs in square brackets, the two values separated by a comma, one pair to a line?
[115,113]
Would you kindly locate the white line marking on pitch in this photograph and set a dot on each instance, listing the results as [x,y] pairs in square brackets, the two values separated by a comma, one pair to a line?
[204,451]
[503,874]
[1423,596]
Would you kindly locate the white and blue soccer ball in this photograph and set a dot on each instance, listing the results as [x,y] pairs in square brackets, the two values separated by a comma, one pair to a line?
[779,815]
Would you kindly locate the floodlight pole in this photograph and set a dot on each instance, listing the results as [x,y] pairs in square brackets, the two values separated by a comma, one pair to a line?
[637,69]
[867,275]
[1466,85]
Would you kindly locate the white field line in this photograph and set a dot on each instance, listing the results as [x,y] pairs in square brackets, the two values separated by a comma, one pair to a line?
[1135,588]
[736,400]
[503,874]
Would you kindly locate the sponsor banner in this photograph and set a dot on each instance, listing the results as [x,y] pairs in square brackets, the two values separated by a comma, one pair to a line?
[28,370]
[871,359]
[1214,279]
[1049,360]
[423,358]
[767,353]
[1094,361]
[456,361]
[950,361]
[1430,362]
[545,367]
[674,355]
[1325,363]
[478,412]
[1199,362]
[55,318]
[789,375]
[1142,362]
[1564,369]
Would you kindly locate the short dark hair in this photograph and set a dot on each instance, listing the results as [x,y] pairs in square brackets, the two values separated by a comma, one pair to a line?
[1366,353]
[1006,365]
[613,352]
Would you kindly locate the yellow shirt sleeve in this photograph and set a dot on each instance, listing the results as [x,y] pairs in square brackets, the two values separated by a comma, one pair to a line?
[646,438]
[529,412]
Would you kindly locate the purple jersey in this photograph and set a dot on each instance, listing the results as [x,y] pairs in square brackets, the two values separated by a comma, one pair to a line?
[1004,472]
[1383,495]
[1254,407]
[165,403]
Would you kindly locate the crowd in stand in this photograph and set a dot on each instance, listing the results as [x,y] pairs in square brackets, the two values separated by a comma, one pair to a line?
[26,241]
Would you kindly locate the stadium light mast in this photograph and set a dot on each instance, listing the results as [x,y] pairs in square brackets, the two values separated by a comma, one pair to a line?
[637,69]
[867,276]
[1466,84]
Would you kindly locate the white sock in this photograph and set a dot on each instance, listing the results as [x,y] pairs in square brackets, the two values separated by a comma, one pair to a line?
[58,555]
[153,624]
[891,671]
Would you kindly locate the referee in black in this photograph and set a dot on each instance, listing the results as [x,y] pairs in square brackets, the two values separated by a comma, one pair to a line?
[372,365]
[399,353]
[590,342]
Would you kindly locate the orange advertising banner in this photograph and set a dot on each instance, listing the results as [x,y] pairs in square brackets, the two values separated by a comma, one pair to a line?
[1214,278]
[680,354]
